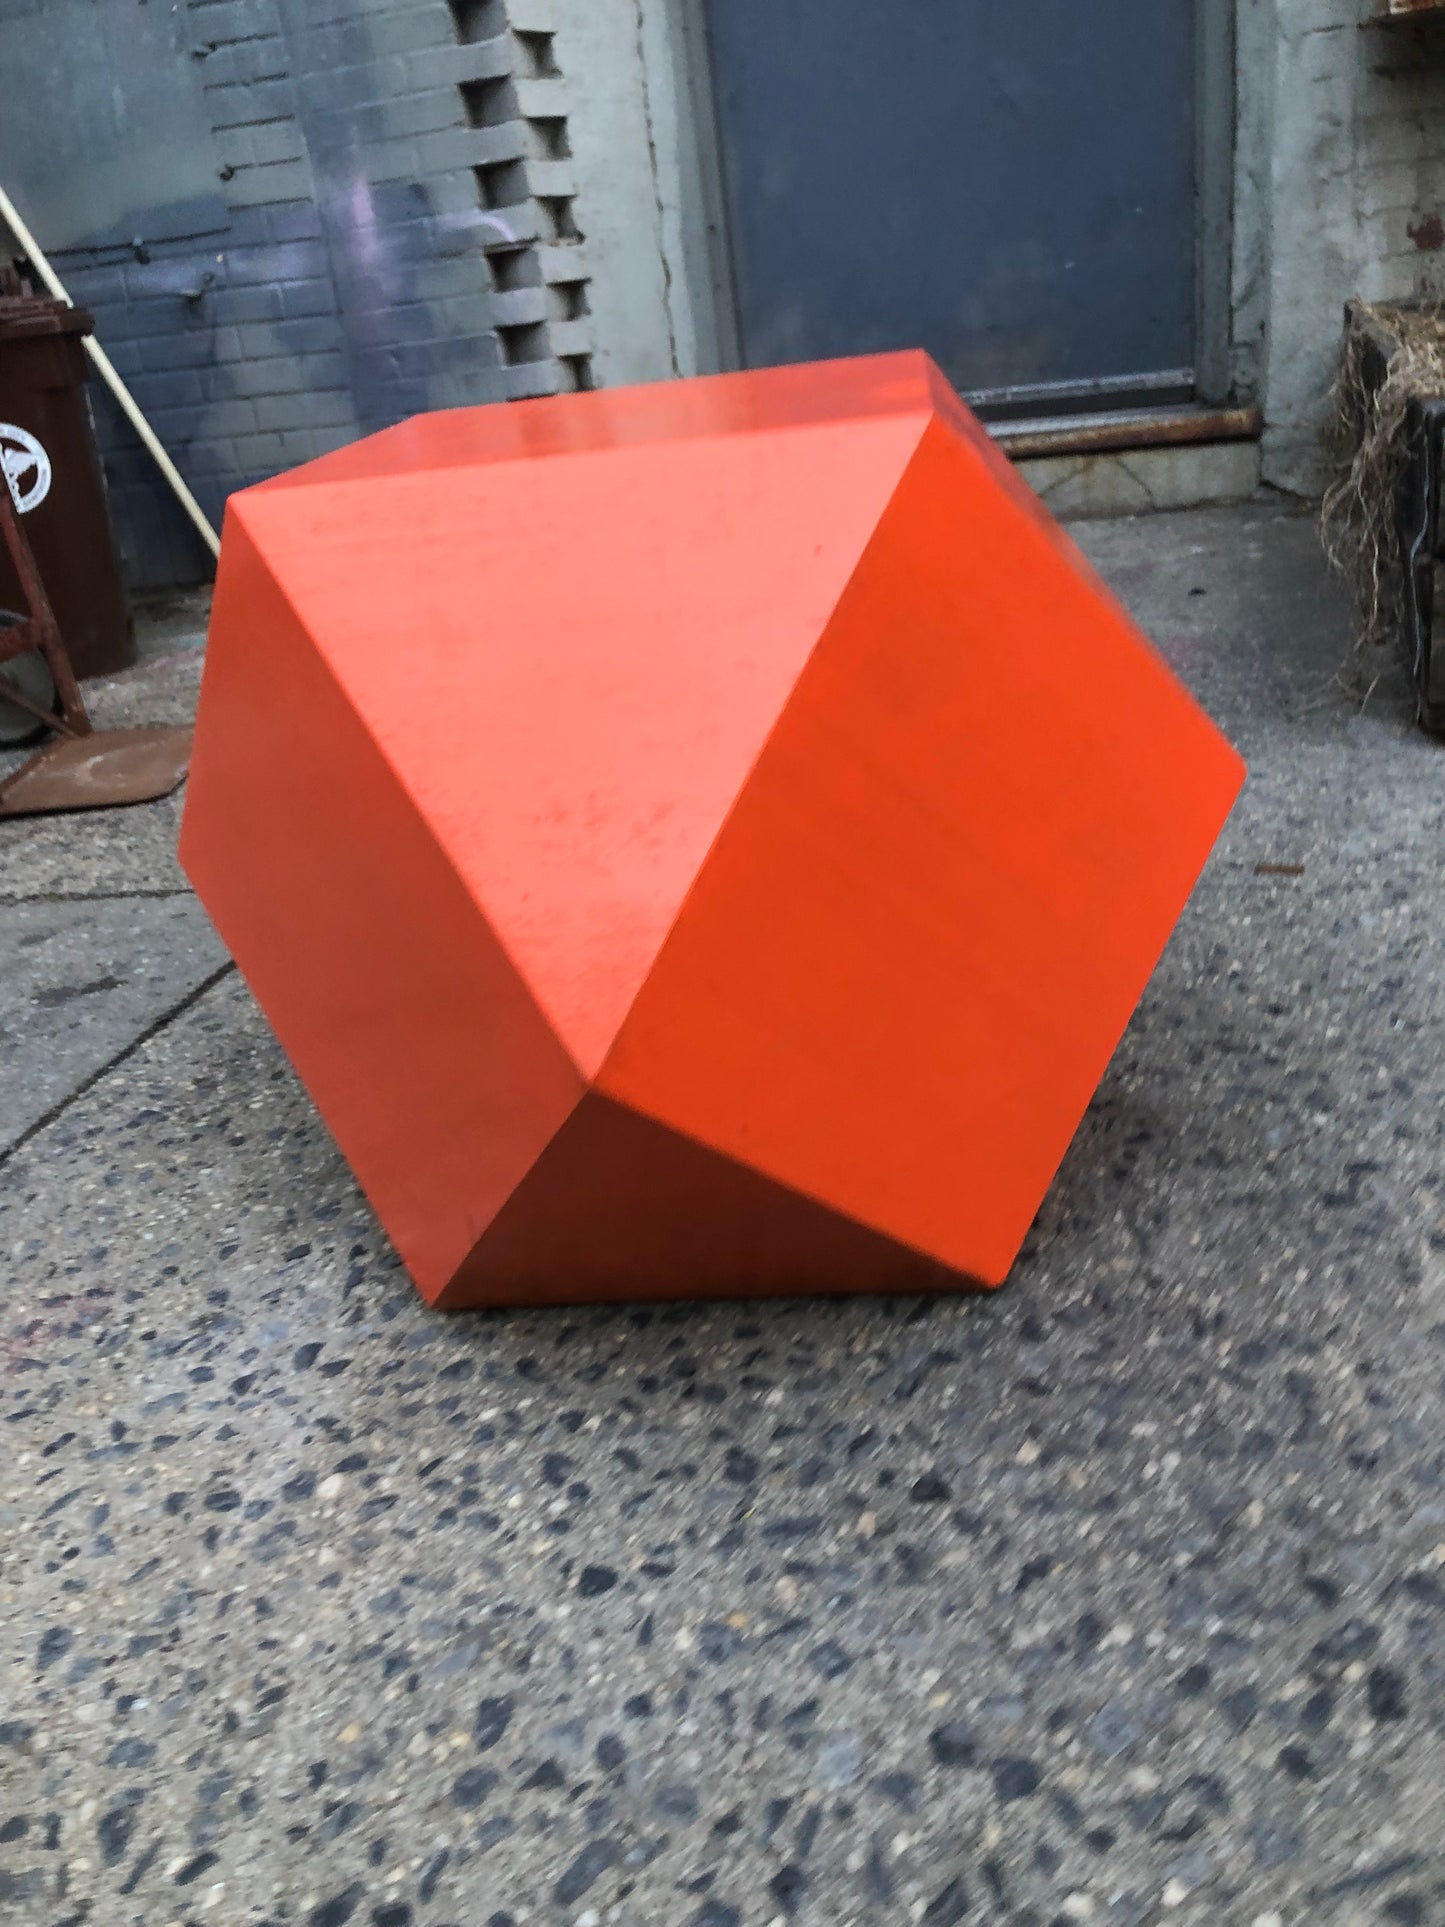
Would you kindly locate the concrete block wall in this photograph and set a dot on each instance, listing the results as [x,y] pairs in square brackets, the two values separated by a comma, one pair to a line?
[624,141]
[641,127]
[399,237]
[1341,191]
[516,98]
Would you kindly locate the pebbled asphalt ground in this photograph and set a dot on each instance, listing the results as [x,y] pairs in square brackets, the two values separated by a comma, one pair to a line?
[1116,1597]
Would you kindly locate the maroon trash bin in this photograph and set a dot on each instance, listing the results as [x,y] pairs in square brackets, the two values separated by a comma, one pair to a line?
[48,457]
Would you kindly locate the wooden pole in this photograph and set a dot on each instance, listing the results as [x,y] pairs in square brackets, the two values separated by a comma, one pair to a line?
[31,249]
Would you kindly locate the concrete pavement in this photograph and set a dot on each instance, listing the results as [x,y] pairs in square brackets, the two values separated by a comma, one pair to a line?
[1117,1597]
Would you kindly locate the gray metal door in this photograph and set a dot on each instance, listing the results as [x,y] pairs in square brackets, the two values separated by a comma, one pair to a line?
[1017,186]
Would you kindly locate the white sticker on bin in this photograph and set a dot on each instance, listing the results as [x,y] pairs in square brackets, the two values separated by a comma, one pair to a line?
[26,466]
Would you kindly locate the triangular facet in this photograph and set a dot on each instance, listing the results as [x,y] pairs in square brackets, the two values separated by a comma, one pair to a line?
[872,388]
[609,639]
[618,1206]
[900,975]
[410,1025]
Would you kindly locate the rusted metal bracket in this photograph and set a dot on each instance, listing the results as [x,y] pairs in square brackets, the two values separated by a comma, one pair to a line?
[39,632]
[87,768]
[1126,429]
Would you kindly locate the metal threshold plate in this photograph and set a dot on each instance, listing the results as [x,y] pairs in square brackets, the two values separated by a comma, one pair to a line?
[99,771]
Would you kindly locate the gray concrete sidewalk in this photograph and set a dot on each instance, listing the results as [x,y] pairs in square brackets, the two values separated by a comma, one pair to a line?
[1117,1597]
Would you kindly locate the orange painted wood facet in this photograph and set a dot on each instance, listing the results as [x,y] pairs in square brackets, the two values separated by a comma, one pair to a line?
[945,885]
[584,632]
[440,1080]
[700,838]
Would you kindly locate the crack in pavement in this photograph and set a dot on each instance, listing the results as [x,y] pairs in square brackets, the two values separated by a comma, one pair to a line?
[15,901]
[123,1056]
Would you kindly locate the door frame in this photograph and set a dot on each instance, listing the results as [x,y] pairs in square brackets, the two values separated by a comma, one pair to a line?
[1216,92]
[709,242]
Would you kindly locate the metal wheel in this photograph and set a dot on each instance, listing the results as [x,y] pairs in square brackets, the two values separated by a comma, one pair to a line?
[31,675]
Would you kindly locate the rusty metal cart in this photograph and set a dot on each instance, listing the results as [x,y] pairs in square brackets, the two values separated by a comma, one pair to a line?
[82,768]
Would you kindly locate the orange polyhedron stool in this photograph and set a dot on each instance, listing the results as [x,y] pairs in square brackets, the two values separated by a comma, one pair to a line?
[699,839]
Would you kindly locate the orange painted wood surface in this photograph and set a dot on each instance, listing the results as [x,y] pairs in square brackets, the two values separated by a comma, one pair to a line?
[699,838]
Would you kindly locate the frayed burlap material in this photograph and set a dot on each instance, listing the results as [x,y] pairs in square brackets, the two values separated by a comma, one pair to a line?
[1366,437]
